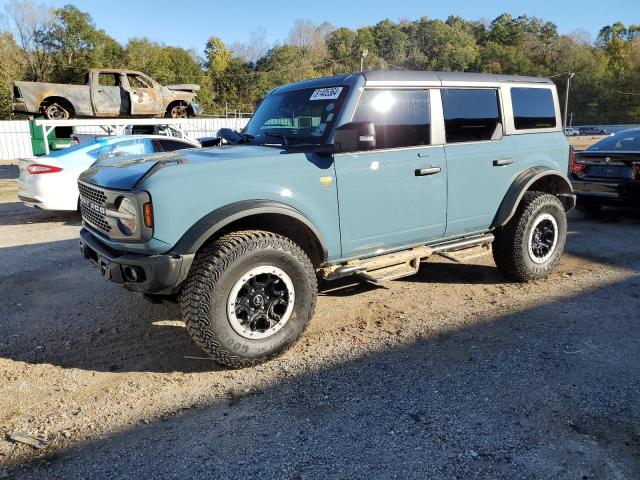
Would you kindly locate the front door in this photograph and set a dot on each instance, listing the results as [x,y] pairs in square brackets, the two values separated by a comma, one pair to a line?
[394,195]
[481,161]
[146,99]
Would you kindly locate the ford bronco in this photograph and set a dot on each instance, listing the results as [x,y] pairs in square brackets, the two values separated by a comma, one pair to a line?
[365,174]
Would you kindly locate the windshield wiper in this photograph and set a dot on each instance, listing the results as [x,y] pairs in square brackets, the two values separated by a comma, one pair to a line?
[246,137]
[287,140]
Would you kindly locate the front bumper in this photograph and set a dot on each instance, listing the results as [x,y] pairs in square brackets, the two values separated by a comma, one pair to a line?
[150,274]
[196,107]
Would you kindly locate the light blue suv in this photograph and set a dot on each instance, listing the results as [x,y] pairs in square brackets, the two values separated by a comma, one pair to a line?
[364,174]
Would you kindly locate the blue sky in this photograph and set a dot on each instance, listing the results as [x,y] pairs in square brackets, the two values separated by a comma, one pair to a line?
[188,23]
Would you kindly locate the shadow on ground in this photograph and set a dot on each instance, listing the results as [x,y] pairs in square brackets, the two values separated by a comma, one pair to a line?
[9,172]
[15,213]
[548,392]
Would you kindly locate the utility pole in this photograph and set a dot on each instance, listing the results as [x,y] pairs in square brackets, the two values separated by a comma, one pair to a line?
[570,75]
[363,54]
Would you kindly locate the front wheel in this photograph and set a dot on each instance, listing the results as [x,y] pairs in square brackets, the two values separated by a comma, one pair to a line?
[530,245]
[248,297]
[180,110]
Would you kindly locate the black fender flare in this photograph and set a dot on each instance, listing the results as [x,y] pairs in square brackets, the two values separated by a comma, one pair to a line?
[213,222]
[521,185]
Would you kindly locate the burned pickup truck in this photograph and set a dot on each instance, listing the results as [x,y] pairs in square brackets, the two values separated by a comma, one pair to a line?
[106,93]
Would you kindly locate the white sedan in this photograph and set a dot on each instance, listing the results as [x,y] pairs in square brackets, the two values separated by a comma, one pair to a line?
[51,182]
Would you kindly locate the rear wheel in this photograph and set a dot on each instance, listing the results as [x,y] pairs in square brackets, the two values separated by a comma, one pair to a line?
[57,111]
[530,245]
[248,297]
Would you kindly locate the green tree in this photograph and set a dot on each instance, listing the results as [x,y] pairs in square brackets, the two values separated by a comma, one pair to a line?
[391,43]
[438,46]
[77,45]
[13,66]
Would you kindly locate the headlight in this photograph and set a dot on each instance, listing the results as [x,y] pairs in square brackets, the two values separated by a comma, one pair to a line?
[128,218]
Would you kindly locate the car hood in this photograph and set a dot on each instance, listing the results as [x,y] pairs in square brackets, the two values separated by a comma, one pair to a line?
[185,87]
[128,173]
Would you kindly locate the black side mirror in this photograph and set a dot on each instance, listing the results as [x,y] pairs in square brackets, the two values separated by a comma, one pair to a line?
[354,137]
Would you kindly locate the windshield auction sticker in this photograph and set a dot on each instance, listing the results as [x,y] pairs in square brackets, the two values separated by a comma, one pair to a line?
[326,93]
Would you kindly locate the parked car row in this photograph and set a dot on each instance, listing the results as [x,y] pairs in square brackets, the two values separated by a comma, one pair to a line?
[585,131]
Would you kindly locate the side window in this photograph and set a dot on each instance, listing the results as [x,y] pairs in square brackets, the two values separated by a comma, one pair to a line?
[137,146]
[171,145]
[471,114]
[401,117]
[109,79]
[533,108]
[136,81]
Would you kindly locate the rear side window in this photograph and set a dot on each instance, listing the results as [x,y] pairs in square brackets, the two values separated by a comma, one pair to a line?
[109,79]
[171,145]
[471,115]
[533,108]
[401,117]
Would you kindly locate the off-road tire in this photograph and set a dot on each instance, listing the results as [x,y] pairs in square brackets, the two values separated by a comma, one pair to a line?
[588,207]
[511,244]
[216,267]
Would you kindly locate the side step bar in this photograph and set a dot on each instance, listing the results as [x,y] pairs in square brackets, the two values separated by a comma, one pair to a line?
[403,263]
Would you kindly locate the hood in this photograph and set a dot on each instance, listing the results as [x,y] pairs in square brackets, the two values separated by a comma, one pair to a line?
[127,174]
[185,87]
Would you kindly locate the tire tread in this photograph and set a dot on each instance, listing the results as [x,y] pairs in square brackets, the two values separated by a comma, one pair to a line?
[209,265]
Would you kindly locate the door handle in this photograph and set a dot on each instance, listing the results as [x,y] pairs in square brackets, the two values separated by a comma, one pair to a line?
[423,155]
[502,162]
[421,172]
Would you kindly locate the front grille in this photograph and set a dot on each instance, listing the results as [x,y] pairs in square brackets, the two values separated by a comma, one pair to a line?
[93,194]
[94,218]
[91,200]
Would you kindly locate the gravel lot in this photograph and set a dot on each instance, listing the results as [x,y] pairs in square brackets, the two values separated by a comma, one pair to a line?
[452,373]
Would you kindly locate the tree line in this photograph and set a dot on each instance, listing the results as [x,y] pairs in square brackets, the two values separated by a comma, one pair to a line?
[59,45]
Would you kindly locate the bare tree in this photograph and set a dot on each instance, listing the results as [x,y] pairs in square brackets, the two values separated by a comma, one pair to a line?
[255,48]
[310,37]
[27,21]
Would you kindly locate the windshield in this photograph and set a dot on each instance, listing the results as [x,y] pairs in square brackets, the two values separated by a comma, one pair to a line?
[73,148]
[624,141]
[297,116]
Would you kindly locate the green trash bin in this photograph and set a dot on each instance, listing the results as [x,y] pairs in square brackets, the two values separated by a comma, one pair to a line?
[58,138]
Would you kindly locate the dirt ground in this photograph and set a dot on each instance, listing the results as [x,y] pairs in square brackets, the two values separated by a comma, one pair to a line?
[452,373]
[580,142]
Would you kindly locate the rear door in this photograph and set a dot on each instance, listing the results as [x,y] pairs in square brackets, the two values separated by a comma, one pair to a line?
[394,195]
[481,160]
[108,95]
[146,98]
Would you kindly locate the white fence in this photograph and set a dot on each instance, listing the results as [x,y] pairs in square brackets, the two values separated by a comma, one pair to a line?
[15,139]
